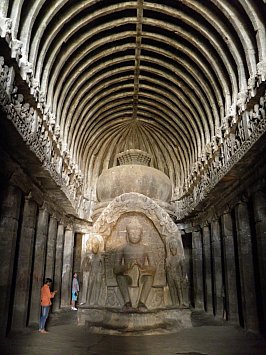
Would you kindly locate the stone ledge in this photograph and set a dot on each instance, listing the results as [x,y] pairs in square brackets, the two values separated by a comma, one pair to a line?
[116,322]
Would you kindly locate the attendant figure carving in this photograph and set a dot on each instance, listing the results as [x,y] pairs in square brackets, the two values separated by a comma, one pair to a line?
[134,266]
[175,274]
[93,274]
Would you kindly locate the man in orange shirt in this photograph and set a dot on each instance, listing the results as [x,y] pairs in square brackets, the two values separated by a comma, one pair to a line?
[46,296]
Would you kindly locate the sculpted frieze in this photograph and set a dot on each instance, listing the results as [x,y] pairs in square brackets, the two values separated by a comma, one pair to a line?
[6,28]
[37,132]
[247,131]
[261,71]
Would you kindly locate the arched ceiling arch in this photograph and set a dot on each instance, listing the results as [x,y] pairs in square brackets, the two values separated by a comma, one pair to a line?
[156,75]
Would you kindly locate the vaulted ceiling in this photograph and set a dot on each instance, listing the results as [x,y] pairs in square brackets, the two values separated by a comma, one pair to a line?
[156,75]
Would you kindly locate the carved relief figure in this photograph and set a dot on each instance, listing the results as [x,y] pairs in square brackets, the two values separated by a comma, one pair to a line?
[175,273]
[93,272]
[134,265]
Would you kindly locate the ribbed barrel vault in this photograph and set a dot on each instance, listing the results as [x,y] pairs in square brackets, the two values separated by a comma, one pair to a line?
[155,75]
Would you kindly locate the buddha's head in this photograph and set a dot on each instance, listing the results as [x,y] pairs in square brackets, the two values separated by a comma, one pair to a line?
[134,231]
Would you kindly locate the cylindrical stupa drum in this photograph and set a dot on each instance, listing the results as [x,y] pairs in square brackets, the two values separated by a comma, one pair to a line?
[133,176]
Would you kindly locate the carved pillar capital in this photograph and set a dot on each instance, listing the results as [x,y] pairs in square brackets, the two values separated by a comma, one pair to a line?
[242,200]
[227,209]
[18,179]
[44,207]
[196,228]
[214,216]
[16,47]
[28,197]
[205,225]
[69,228]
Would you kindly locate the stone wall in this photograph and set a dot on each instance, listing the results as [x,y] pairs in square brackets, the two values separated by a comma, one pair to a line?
[36,242]
[228,253]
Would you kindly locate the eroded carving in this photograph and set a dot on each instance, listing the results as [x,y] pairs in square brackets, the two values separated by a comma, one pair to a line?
[176,276]
[93,272]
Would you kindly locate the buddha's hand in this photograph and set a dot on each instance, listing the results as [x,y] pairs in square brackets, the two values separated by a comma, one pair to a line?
[147,270]
[120,269]
[132,264]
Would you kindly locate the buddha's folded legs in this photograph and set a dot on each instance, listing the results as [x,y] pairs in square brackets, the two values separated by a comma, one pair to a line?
[123,283]
[147,284]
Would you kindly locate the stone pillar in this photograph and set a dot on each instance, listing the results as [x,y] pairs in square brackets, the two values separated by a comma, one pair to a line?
[22,290]
[9,220]
[58,265]
[259,203]
[77,253]
[207,268]
[38,266]
[187,287]
[231,302]
[197,269]
[50,251]
[246,267]
[67,267]
[217,268]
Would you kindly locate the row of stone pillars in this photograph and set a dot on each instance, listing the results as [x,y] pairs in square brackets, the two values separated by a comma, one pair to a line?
[229,264]
[33,245]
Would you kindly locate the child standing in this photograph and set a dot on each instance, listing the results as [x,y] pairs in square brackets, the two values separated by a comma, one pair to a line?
[75,291]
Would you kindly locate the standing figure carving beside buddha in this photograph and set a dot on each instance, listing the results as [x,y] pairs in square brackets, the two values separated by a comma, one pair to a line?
[93,273]
[175,273]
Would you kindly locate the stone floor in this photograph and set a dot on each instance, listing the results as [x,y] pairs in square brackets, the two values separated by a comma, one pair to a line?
[207,336]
